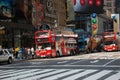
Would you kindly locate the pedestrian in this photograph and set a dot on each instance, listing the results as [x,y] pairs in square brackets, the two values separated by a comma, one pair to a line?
[20,54]
[25,53]
[32,52]
[28,53]
[16,52]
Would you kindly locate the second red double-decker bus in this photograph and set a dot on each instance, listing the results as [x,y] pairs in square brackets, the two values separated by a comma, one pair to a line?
[109,40]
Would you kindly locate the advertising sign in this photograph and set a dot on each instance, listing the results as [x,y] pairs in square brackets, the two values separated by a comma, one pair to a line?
[88,6]
[70,10]
[116,22]
[5,9]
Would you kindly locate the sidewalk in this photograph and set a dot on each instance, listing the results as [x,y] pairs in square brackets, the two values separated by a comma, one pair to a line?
[101,55]
[15,60]
[24,59]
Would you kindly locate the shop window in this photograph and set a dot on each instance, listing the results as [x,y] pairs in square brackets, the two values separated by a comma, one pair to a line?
[109,4]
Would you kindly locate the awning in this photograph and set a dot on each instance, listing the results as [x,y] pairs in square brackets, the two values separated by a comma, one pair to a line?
[17,25]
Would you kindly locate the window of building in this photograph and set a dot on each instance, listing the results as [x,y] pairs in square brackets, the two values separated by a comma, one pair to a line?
[109,4]
[110,10]
[41,1]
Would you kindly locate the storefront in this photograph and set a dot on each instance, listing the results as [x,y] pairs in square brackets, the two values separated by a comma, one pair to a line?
[16,35]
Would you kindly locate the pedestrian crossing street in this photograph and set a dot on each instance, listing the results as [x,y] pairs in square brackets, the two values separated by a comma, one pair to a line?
[59,74]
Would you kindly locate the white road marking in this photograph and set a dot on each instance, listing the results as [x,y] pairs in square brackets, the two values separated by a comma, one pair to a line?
[95,61]
[55,77]
[54,74]
[62,62]
[34,63]
[97,75]
[30,74]
[19,73]
[10,72]
[57,66]
[1,72]
[73,77]
[37,77]
[114,77]
[109,62]
[76,62]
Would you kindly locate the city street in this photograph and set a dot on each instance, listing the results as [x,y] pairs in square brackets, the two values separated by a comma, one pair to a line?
[59,39]
[64,68]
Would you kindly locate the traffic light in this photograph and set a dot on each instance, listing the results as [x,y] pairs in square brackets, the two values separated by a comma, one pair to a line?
[94,21]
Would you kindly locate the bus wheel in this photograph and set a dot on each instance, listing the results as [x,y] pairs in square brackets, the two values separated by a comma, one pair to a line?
[87,51]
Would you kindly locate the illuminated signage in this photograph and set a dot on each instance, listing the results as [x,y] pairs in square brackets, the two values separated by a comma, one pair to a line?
[88,6]
[94,21]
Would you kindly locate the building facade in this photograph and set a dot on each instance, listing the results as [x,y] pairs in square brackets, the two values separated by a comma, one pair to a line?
[83,21]
[109,5]
[54,13]
[117,6]
[16,20]
[20,18]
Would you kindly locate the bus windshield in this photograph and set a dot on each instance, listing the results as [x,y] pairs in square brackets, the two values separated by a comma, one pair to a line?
[40,34]
[109,42]
[46,46]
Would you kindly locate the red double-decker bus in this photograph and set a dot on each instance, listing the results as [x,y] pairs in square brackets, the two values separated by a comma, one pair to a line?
[109,40]
[52,45]
[45,43]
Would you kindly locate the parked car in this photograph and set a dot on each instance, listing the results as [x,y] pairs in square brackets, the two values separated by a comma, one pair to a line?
[6,56]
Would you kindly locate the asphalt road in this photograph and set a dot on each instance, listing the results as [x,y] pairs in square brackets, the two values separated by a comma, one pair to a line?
[62,69]
[109,64]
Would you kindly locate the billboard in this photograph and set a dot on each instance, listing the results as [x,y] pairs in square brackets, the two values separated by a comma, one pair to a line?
[116,22]
[18,11]
[22,11]
[70,10]
[88,6]
[5,9]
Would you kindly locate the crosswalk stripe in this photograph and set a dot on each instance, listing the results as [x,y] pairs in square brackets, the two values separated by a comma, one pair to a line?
[29,74]
[59,74]
[10,72]
[54,77]
[4,71]
[114,77]
[17,74]
[46,74]
[79,75]
[97,75]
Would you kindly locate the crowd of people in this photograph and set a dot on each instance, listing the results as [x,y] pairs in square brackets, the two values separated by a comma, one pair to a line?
[24,53]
